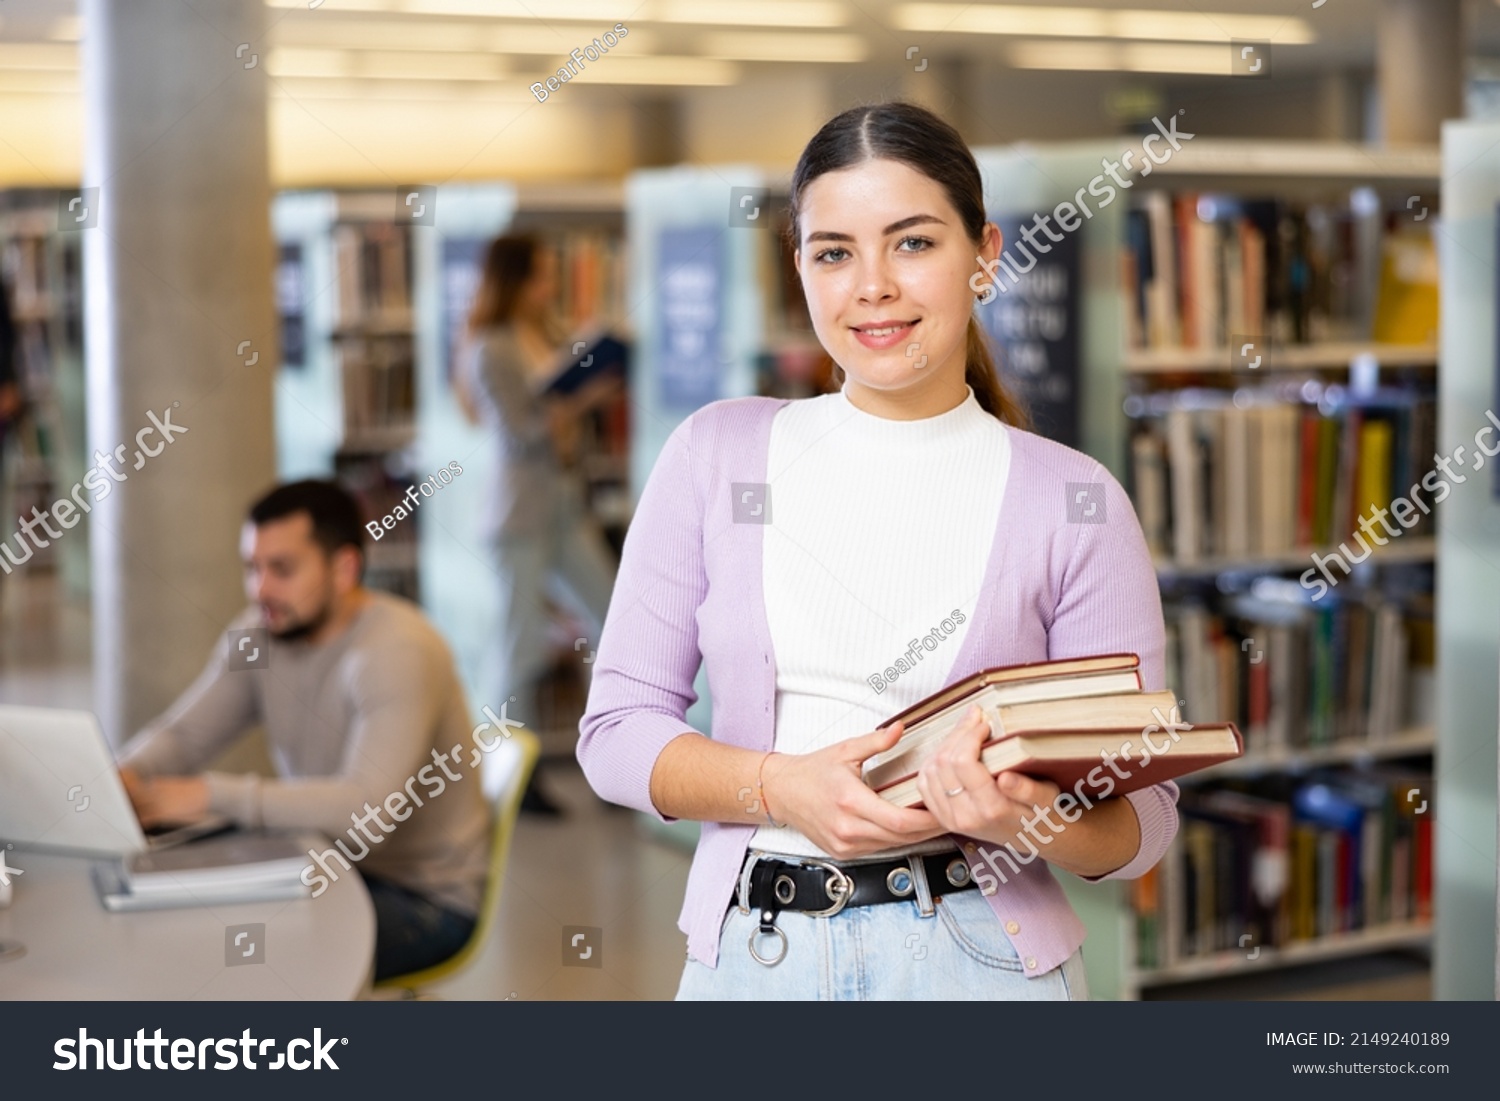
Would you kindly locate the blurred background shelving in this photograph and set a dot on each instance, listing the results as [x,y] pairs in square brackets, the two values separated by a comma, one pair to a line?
[1240,469]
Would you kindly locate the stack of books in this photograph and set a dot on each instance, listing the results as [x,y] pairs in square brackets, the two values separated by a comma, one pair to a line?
[1085,724]
[215,871]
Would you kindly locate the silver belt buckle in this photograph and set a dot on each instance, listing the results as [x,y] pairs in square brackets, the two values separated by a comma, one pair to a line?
[742,901]
[840,888]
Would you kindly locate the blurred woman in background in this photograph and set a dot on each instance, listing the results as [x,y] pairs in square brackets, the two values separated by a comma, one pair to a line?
[543,540]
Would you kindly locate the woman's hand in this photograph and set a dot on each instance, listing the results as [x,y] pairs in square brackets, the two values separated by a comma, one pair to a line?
[989,808]
[562,426]
[1000,808]
[598,391]
[822,795]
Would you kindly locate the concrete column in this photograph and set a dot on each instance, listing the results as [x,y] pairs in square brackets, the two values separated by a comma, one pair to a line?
[1419,68]
[177,276]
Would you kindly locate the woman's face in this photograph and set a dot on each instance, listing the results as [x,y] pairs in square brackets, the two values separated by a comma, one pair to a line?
[541,286]
[885,264]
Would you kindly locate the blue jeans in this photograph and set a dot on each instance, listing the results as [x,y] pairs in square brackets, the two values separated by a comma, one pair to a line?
[886,951]
[412,932]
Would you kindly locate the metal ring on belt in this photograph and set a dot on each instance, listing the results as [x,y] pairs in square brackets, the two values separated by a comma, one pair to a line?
[822,888]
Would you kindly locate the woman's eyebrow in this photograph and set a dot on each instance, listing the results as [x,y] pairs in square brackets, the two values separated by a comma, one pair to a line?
[894,227]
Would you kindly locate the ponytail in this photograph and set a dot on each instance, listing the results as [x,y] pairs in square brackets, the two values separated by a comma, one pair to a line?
[993,396]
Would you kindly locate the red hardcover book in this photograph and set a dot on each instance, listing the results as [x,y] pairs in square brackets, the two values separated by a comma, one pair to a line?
[1307,478]
[1423,873]
[1260,695]
[1188,279]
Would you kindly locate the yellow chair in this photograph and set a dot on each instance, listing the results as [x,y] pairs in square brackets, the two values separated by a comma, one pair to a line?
[508,767]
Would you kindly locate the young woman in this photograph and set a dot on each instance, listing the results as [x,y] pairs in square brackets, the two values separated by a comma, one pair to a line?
[798,549]
[540,534]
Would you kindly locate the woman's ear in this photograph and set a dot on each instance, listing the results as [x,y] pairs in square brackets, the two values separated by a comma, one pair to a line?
[991,240]
[991,243]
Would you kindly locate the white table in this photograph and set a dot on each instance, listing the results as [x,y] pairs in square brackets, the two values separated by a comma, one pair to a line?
[315,948]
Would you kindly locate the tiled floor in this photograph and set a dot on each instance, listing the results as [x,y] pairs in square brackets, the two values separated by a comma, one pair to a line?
[596,869]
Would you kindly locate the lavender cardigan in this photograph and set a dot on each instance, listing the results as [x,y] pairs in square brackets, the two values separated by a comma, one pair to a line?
[689,591]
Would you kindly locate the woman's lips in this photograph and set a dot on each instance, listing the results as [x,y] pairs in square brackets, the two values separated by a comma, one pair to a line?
[888,335]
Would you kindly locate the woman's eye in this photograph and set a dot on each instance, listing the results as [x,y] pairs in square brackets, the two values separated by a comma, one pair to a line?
[827,255]
[919,244]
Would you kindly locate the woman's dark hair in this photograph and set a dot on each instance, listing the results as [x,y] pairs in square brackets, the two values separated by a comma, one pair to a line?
[508,263]
[919,139]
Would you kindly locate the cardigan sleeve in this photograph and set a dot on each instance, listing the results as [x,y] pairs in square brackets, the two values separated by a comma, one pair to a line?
[648,655]
[1110,603]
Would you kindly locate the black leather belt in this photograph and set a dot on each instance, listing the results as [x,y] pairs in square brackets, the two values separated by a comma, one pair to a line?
[823,887]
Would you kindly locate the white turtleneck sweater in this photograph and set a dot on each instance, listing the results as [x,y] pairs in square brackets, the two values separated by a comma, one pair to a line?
[873,561]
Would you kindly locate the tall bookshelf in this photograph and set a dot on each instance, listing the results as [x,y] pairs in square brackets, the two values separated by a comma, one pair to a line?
[43,268]
[1469,597]
[347,390]
[1160,386]
[373,305]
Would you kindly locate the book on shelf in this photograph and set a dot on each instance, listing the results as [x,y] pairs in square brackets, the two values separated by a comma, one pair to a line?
[590,266]
[1200,270]
[379,390]
[1059,720]
[373,269]
[1244,475]
[1289,861]
[1407,307]
[1355,667]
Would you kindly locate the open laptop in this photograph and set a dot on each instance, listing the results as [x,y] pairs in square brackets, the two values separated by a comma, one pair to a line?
[60,789]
